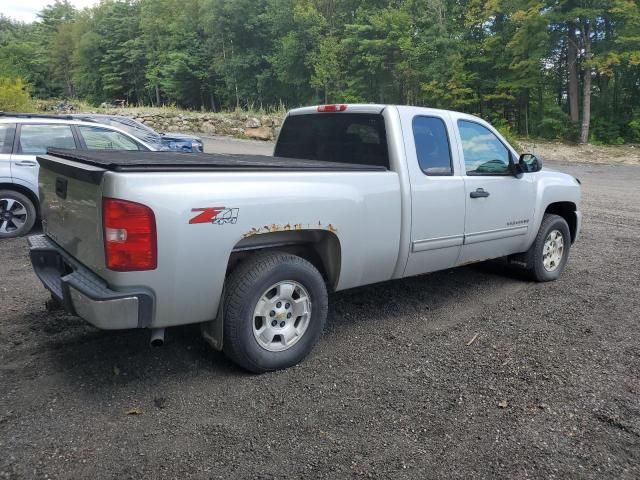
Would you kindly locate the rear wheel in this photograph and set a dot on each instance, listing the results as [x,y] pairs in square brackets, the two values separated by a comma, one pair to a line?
[274,312]
[17,214]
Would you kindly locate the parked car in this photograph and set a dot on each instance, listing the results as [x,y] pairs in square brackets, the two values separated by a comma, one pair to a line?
[248,246]
[22,137]
[161,141]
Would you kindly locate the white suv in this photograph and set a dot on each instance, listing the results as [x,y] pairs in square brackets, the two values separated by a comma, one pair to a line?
[22,137]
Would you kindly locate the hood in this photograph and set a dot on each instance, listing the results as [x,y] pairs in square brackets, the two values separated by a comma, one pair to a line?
[558,176]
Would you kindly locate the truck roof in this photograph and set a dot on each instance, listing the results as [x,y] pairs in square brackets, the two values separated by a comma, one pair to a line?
[362,108]
[377,108]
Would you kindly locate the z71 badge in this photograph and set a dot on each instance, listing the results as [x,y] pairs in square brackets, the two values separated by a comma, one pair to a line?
[216,215]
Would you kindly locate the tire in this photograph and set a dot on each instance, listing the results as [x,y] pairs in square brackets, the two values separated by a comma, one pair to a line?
[542,266]
[267,288]
[17,214]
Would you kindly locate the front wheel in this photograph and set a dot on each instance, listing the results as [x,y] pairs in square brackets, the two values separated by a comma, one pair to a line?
[275,308]
[549,253]
[17,214]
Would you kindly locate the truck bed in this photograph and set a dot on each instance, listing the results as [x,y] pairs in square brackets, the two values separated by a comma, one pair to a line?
[255,196]
[138,161]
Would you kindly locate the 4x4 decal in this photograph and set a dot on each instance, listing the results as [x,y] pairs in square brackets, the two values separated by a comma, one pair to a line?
[216,215]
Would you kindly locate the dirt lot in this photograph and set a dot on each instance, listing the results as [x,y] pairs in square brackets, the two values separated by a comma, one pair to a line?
[563,152]
[549,389]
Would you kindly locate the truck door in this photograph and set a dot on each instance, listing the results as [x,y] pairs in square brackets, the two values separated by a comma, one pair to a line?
[437,193]
[499,206]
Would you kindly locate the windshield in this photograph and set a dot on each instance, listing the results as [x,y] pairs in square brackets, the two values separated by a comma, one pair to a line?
[357,138]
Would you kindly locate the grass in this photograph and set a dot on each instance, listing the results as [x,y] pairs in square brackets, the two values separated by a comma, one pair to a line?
[81,106]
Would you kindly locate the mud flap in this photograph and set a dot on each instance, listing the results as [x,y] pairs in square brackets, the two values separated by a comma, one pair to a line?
[522,260]
[212,331]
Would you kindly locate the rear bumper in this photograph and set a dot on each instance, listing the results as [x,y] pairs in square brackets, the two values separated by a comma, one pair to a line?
[85,294]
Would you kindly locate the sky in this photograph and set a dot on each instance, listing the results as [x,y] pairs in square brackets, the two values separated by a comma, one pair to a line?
[25,10]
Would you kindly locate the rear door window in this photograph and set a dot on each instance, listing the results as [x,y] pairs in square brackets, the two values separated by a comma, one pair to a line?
[35,139]
[6,137]
[357,138]
[99,138]
[432,146]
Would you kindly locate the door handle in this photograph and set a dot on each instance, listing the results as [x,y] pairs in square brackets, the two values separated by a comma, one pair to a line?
[479,193]
[26,163]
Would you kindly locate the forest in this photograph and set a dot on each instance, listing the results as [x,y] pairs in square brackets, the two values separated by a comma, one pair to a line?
[567,69]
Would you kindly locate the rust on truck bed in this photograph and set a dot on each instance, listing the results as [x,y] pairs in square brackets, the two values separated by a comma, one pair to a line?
[276,227]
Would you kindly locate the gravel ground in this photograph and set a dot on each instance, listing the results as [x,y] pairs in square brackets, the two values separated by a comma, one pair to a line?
[395,388]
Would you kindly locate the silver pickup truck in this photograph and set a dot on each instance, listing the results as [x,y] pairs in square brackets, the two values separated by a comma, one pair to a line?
[249,246]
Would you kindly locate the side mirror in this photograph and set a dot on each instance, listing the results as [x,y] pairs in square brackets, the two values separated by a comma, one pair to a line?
[529,163]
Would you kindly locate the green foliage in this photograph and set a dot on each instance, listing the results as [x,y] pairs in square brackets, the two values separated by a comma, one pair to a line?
[604,131]
[552,128]
[505,130]
[505,60]
[14,96]
[634,129]
[556,124]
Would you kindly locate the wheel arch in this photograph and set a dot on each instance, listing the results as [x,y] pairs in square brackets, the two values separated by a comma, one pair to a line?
[319,247]
[566,210]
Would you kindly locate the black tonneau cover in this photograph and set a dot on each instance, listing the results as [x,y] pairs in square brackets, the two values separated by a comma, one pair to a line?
[138,161]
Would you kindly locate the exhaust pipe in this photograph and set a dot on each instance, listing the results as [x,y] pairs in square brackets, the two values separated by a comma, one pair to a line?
[157,337]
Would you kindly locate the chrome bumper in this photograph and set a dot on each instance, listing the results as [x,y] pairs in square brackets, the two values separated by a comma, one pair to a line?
[85,294]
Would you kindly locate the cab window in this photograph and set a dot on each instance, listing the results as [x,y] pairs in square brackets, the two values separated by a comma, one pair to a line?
[357,138]
[99,138]
[432,146]
[35,139]
[484,153]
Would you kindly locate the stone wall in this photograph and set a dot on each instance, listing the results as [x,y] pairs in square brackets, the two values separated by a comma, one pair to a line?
[260,127]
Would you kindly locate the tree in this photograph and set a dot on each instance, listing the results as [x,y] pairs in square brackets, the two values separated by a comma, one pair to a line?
[62,47]
[536,67]
[14,96]
[109,60]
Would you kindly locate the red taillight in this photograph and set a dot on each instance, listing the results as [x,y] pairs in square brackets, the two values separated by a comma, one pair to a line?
[332,108]
[129,236]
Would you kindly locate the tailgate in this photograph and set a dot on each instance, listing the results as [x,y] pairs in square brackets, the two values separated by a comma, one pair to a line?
[70,205]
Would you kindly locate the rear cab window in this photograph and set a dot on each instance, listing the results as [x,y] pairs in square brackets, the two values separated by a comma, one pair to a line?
[355,138]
